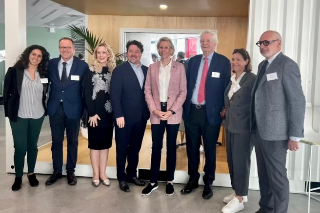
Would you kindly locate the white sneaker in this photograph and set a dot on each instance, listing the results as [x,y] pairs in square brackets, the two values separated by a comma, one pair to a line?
[201,149]
[233,206]
[230,197]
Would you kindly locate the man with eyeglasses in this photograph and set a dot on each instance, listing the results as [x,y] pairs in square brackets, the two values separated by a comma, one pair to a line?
[277,119]
[65,108]
[208,76]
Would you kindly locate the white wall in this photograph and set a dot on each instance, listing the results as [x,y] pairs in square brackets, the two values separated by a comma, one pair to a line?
[298,22]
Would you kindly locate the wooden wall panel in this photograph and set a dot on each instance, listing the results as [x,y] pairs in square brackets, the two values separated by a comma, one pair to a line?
[232,31]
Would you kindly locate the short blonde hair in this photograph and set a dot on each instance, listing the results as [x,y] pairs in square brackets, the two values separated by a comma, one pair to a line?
[111,63]
[168,40]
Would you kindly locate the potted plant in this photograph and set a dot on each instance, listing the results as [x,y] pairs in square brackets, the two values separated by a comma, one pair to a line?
[82,32]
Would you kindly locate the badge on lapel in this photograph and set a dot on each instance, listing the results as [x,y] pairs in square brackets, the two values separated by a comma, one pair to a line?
[75,78]
[44,80]
[272,76]
[215,74]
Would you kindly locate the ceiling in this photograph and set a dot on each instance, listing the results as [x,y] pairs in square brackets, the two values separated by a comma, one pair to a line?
[46,13]
[189,8]
[58,13]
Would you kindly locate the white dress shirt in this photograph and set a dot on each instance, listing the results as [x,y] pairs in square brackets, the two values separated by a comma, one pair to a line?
[235,86]
[164,80]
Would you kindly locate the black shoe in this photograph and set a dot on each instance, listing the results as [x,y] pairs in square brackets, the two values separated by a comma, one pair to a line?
[33,180]
[260,211]
[72,180]
[189,187]
[17,184]
[53,178]
[136,181]
[149,188]
[123,185]
[207,191]
[169,189]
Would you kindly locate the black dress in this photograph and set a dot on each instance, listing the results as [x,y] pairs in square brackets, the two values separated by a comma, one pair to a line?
[96,93]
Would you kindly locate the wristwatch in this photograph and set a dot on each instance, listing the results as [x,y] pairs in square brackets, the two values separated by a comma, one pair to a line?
[173,112]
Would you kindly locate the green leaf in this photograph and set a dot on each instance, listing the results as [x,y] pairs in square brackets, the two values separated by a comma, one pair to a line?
[82,32]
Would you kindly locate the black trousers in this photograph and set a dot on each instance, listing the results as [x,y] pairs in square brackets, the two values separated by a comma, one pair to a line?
[128,145]
[197,125]
[58,123]
[157,141]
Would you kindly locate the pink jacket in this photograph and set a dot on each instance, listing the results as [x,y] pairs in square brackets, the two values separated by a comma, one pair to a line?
[177,91]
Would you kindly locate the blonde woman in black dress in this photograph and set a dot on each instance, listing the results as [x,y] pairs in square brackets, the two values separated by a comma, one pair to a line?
[100,123]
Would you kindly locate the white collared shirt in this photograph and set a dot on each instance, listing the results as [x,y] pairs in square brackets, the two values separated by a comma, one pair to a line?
[235,86]
[272,58]
[68,66]
[164,80]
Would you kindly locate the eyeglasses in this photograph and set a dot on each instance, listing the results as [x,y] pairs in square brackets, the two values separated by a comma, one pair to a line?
[208,41]
[265,42]
[65,48]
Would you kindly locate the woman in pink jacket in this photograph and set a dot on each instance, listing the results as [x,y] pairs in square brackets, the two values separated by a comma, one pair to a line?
[165,92]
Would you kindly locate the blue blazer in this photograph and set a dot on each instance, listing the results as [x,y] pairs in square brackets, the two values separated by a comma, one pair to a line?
[215,87]
[71,93]
[127,97]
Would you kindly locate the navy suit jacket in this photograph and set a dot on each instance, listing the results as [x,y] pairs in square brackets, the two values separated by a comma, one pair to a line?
[127,97]
[71,93]
[215,87]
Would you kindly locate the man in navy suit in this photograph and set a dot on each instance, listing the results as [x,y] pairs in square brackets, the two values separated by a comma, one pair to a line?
[208,76]
[65,108]
[131,112]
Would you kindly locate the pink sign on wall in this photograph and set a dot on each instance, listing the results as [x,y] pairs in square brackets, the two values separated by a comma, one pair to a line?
[191,47]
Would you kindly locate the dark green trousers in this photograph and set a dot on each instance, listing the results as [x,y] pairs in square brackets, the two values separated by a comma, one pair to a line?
[25,132]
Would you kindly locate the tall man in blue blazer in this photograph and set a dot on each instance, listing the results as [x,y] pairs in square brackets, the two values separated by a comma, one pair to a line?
[131,112]
[208,76]
[65,108]
[277,119]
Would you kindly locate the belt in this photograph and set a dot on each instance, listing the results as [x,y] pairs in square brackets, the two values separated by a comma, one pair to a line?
[163,103]
[198,106]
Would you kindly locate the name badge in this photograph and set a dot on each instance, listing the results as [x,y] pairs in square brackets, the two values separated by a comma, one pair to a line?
[44,80]
[75,78]
[272,76]
[215,74]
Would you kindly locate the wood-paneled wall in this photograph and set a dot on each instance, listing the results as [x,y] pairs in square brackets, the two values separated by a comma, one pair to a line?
[232,31]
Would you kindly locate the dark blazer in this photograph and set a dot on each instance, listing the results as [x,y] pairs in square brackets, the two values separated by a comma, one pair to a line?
[238,114]
[71,94]
[215,87]
[127,97]
[12,92]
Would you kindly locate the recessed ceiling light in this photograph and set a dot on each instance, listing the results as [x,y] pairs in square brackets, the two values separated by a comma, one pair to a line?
[163,7]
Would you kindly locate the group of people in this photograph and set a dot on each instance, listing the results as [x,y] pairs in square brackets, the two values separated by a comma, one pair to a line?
[264,110]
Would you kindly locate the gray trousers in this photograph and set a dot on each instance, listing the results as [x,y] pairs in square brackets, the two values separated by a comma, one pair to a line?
[239,148]
[273,181]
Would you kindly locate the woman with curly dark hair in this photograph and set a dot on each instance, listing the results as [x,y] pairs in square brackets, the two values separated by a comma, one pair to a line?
[25,88]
